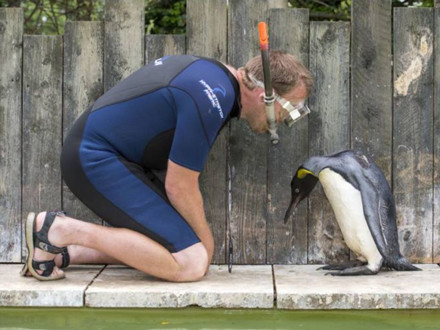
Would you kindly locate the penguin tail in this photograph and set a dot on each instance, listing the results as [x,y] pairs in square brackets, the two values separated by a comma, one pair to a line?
[401,264]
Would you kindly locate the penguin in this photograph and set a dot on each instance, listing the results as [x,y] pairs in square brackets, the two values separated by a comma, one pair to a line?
[364,206]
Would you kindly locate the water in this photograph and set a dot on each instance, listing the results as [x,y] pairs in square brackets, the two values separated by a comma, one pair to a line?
[196,318]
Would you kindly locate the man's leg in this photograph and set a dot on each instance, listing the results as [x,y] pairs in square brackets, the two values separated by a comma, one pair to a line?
[127,246]
[83,255]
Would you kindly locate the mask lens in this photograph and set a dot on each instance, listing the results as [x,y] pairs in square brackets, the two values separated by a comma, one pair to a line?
[296,113]
[293,112]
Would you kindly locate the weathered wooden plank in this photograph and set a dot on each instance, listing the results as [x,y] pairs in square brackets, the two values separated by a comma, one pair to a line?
[207,23]
[413,130]
[83,84]
[42,123]
[248,151]
[329,130]
[124,39]
[371,94]
[436,182]
[158,45]
[11,31]
[287,244]
[207,36]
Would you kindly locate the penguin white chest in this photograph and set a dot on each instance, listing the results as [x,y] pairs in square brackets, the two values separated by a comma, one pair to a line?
[346,202]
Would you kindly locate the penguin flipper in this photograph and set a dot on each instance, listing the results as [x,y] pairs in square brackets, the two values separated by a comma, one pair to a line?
[375,218]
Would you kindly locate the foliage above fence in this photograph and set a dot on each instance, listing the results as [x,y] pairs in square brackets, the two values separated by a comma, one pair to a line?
[161,16]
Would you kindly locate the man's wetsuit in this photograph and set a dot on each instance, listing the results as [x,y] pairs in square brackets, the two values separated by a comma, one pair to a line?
[173,109]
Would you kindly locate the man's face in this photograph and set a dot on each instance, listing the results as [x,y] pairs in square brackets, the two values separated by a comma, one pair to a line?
[258,120]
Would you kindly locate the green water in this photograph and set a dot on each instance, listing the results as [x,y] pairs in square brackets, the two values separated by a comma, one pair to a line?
[196,318]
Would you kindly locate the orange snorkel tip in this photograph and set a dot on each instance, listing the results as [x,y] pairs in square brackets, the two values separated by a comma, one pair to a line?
[262,33]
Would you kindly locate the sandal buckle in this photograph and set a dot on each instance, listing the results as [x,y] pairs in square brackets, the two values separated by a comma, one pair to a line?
[43,246]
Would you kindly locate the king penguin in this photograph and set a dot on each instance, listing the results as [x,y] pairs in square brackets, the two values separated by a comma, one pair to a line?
[364,207]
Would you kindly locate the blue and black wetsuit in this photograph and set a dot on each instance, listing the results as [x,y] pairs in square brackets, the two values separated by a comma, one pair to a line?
[172,108]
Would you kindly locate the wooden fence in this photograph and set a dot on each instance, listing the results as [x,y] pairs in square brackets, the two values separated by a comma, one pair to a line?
[376,89]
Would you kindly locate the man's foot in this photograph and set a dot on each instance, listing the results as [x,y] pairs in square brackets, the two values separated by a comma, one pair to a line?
[39,254]
[41,251]
[62,260]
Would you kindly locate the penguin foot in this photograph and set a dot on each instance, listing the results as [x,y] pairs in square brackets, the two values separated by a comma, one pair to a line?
[362,270]
[345,265]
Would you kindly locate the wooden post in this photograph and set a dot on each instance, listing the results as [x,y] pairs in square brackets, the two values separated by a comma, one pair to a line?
[83,84]
[287,244]
[124,39]
[248,151]
[436,141]
[11,32]
[207,36]
[371,94]
[158,45]
[413,130]
[329,130]
[207,28]
[42,123]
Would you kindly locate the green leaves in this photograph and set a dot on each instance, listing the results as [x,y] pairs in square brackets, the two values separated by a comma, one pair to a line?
[165,16]
[161,16]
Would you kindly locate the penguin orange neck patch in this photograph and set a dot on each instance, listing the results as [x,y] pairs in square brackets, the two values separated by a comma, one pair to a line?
[302,173]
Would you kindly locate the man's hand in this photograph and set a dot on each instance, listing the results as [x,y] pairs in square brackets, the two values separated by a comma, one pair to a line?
[182,188]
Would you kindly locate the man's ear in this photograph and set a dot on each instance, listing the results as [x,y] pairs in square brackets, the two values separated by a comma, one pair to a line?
[261,94]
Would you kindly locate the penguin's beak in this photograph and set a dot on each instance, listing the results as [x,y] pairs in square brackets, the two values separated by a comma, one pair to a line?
[292,206]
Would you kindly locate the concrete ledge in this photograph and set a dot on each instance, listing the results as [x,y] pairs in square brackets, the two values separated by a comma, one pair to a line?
[302,287]
[297,287]
[16,290]
[245,287]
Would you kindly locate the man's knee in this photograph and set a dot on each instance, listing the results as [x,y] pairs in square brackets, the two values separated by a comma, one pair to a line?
[193,263]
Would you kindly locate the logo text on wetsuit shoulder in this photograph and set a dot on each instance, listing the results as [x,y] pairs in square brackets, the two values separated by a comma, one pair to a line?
[210,93]
[159,61]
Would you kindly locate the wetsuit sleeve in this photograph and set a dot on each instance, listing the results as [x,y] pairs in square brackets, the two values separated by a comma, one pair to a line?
[204,97]
[190,146]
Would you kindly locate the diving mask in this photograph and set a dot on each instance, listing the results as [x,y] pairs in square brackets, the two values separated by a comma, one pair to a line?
[295,112]
[292,112]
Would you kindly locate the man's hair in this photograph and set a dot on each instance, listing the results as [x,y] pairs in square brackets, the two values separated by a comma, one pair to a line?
[286,70]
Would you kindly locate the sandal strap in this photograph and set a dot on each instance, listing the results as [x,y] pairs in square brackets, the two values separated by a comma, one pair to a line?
[46,266]
[65,258]
[41,240]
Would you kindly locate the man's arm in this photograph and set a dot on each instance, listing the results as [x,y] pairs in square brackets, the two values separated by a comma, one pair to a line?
[182,187]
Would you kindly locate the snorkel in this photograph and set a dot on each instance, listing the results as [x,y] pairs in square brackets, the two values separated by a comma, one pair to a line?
[269,98]
[295,111]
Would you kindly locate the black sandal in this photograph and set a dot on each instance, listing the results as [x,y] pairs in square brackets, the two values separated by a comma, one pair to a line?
[65,262]
[40,240]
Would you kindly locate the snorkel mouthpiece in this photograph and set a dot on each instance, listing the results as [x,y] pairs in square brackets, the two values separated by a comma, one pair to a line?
[269,97]
[271,120]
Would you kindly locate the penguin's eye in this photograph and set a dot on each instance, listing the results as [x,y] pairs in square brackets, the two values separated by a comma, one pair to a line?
[297,190]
